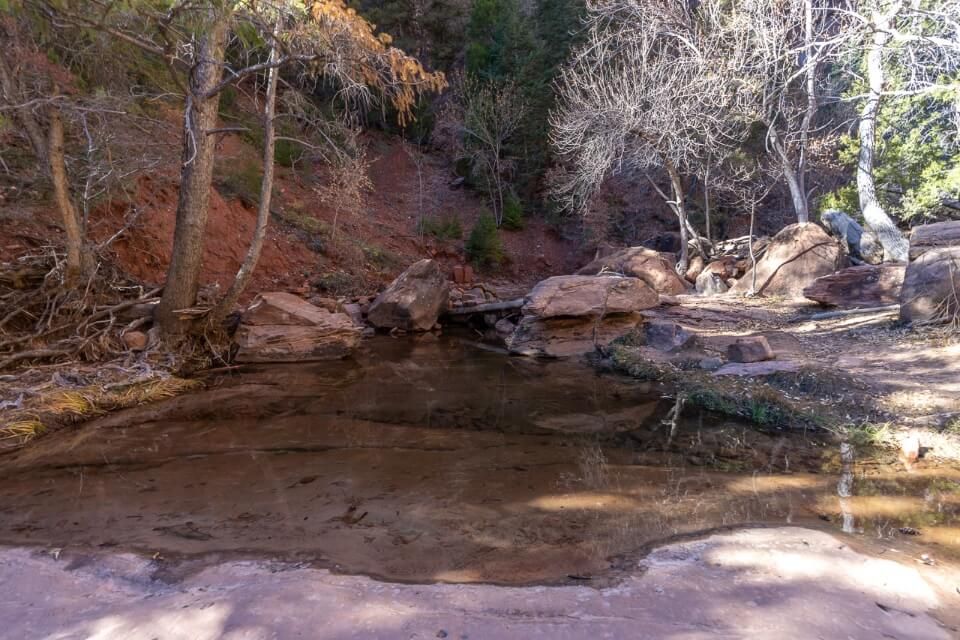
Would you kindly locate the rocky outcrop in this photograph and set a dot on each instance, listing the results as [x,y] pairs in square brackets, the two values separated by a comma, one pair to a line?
[573,315]
[795,257]
[861,286]
[862,244]
[413,301]
[653,267]
[280,327]
[931,287]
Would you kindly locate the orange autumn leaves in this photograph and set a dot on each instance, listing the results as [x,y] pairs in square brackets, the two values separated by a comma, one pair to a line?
[400,77]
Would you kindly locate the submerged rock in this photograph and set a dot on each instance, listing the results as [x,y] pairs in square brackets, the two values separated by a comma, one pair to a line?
[280,327]
[413,301]
[795,257]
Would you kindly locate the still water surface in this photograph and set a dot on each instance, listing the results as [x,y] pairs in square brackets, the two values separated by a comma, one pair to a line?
[425,460]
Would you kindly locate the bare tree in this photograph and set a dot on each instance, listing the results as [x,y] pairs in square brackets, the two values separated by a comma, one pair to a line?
[324,37]
[921,40]
[646,91]
[779,50]
[490,114]
[348,180]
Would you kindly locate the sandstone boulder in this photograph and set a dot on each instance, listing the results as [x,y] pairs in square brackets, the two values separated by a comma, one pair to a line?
[566,337]
[934,236]
[588,296]
[573,315]
[931,287]
[653,267]
[413,301]
[750,349]
[280,308]
[864,285]
[795,257]
[696,267]
[280,327]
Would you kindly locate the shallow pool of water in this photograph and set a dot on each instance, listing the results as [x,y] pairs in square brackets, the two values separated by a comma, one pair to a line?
[434,459]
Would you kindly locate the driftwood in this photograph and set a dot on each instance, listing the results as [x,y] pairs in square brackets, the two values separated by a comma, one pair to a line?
[487,307]
[933,236]
[860,286]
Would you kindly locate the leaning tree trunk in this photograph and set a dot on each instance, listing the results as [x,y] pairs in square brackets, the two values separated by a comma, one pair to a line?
[196,177]
[676,185]
[895,246]
[79,259]
[266,192]
[791,175]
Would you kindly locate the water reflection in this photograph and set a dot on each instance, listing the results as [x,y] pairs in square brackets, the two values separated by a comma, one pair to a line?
[845,486]
[433,460]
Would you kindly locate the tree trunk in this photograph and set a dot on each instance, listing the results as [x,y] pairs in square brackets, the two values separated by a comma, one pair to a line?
[266,192]
[895,246]
[680,209]
[791,175]
[813,105]
[13,96]
[79,259]
[196,176]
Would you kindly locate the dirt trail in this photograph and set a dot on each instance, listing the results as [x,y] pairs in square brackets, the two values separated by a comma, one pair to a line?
[913,375]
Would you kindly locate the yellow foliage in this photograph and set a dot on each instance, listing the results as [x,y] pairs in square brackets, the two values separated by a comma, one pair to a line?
[399,76]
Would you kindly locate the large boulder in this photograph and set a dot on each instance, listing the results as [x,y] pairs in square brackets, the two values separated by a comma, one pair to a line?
[589,296]
[795,257]
[934,236]
[864,285]
[414,300]
[862,244]
[931,287]
[653,267]
[280,327]
[573,315]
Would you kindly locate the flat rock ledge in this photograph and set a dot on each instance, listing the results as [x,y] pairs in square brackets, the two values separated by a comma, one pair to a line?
[786,583]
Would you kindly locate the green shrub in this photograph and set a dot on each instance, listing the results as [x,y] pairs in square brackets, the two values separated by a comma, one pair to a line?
[286,152]
[242,182]
[484,247]
[512,213]
[448,228]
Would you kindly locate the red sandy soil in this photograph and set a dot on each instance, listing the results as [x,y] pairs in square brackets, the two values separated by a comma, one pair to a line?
[388,224]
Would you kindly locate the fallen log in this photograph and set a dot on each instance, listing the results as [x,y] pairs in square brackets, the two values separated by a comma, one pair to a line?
[861,286]
[487,307]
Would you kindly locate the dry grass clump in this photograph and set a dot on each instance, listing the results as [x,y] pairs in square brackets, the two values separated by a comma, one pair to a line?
[54,407]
